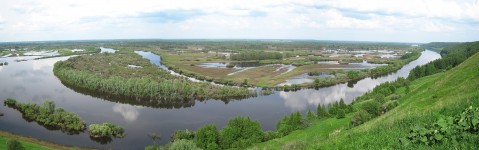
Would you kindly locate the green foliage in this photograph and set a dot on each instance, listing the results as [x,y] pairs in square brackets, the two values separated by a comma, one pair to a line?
[269,135]
[341,114]
[183,134]
[360,117]
[240,133]
[310,115]
[372,107]
[48,115]
[410,55]
[290,124]
[256,55]
[183,145]
[452,56]
[93,73]
[10,102]
[105,130]
[321,111]
[14,145]
[353,74]
[448,129]
[207,137]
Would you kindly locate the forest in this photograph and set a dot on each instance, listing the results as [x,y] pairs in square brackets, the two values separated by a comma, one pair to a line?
[110,74]
[452,56]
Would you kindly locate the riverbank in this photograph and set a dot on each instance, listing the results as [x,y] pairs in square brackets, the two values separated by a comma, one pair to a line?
[32,143]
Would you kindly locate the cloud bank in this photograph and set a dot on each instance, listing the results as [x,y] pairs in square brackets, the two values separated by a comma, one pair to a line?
[367,20]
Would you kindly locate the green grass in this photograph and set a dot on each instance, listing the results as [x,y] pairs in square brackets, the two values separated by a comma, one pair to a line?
[442,94]
[30,143]
[26,145]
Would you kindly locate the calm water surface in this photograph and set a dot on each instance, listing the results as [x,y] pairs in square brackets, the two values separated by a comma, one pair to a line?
[33,81]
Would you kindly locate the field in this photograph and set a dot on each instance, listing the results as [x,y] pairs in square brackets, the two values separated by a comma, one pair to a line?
[267,72]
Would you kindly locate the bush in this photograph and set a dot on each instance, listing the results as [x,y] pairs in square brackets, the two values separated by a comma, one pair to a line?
[14,145]
[207,137]
[183,134]
[240,133]
[105,130]
[183,145]
[372,107]
[360,117]
[10,102]
[269,135]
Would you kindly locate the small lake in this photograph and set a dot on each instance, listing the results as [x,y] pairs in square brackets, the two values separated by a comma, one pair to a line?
[33,81]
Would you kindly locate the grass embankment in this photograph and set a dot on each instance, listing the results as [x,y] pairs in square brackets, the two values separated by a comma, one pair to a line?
[32,143]
[443,94]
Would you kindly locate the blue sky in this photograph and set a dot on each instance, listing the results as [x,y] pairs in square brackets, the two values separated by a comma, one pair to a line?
[365,20]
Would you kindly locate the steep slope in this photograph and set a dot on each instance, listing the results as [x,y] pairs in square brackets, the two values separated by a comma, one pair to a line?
[430,97]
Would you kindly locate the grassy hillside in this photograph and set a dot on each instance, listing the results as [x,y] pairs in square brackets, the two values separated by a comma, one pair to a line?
[31,143]
[442,94]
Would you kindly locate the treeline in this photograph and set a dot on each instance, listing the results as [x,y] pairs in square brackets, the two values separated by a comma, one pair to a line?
[48,115]
[438,46]
[149,82]
[451,57]
[256,55]
[242,132]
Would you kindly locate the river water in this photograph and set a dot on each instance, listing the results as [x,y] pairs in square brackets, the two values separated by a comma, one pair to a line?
[33,81]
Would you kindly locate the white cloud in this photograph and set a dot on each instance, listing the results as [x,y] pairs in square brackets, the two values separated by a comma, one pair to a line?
[437,27]
[128,112]
[96,19]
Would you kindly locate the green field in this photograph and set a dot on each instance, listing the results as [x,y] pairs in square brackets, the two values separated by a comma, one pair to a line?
[443,94]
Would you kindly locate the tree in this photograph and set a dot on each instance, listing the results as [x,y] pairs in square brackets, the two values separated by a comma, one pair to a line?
[207,137]
[14,145]
[310,115]
[341,114]
[321,112]
[240,133]
[183,145]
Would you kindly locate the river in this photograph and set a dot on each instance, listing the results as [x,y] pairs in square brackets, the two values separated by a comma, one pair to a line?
[33,81]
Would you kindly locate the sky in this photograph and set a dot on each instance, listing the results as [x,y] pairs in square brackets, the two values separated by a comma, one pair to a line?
[345,20]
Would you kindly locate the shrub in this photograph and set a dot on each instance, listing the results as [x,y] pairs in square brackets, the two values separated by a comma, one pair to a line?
[360,117]
[240,133]
[372,107]
[105,130]
[269,135]
[183,134]
[14,145]
[10,102]
[207,137]
[183,145]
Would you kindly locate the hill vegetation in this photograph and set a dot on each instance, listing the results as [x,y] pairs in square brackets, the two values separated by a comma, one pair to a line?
[402,108]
